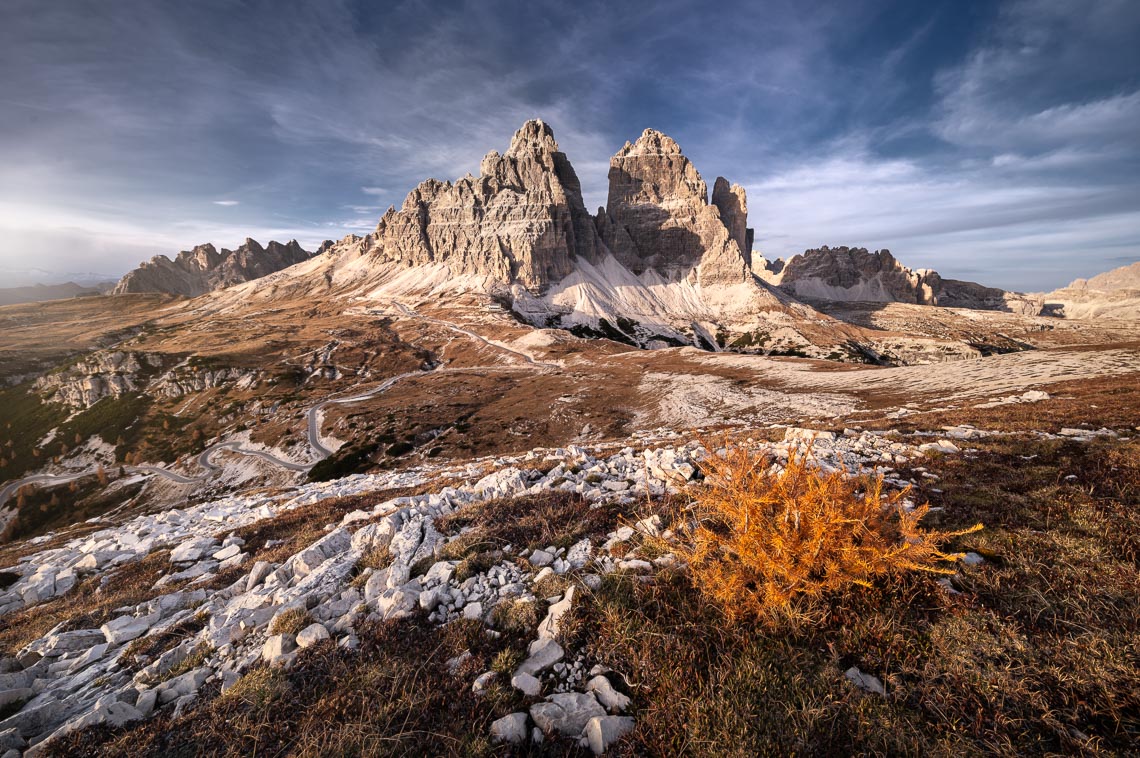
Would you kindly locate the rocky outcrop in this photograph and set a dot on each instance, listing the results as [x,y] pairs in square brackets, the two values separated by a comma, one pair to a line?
[846,274]
[204,269]
[732,202]
[521,220]
[185,380]
[658,216]
[854,274]
[522,223]
[1113,294]
[76,676]
[1123,278]
[96,376]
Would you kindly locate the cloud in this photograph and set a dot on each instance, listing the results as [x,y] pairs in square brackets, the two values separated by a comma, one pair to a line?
[1016,231]
[961,140]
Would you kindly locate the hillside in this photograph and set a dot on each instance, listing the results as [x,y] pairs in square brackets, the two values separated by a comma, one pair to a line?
[1113,294]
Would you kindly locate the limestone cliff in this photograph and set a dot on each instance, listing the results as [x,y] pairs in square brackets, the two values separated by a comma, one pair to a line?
[855,275]
[521,220]
[658,216]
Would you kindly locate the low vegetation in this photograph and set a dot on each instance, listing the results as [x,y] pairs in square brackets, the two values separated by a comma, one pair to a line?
[290,621]
[1032,652]
[396,696]
[761,539]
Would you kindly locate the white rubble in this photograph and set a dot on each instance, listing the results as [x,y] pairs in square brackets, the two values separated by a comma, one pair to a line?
[70,675]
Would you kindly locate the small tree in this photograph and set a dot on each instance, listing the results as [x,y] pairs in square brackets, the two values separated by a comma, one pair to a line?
[101,475]
[764,538]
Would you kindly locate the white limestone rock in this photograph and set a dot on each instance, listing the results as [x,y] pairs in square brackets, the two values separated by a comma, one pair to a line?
[526,684]
[311,635]
[510,729]
[566,713]
[603,731]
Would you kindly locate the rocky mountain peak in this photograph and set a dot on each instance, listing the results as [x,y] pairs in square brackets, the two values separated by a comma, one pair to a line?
[732,202]
[531,136]
[653,170]
[852,274]
[651,142]
[658,216]
[203,268]
[521,220]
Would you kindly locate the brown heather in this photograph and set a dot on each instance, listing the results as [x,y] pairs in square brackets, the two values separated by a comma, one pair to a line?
[758,539]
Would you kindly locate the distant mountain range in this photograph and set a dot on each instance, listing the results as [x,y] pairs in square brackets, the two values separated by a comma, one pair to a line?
[41,292]
[205,269]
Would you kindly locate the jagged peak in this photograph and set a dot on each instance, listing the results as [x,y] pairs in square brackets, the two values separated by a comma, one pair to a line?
[534,133]
[651,142]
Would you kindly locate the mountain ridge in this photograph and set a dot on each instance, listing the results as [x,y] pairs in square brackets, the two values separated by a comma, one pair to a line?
[204,268]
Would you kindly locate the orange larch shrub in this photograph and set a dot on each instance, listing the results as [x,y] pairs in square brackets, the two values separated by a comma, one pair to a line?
[759,538]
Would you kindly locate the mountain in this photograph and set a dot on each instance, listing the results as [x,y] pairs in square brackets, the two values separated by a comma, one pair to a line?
[658,265]
[204,269]
[40,292]
[844,274]
[1113,294]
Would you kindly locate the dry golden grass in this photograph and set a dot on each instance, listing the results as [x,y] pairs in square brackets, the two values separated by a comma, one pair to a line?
[291,621]
[764,538]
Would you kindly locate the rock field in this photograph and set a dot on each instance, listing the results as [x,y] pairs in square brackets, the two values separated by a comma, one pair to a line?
[72,678]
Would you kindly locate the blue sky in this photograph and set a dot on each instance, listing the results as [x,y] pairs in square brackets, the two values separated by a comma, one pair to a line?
[993,141]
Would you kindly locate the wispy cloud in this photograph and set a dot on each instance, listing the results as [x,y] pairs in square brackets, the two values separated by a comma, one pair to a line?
[983,141]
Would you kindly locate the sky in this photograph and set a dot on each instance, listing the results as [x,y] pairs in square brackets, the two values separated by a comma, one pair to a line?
[993,141]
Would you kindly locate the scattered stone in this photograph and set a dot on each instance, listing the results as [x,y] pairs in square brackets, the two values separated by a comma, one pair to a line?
[544,653]
[865,682]
[126,628]
[603,731]
[227,552]
[311,635]
[604,691]
[193,550]
[510,728]
[526,684]
[483,681]
[540,558]
[566,713]
[278,647]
